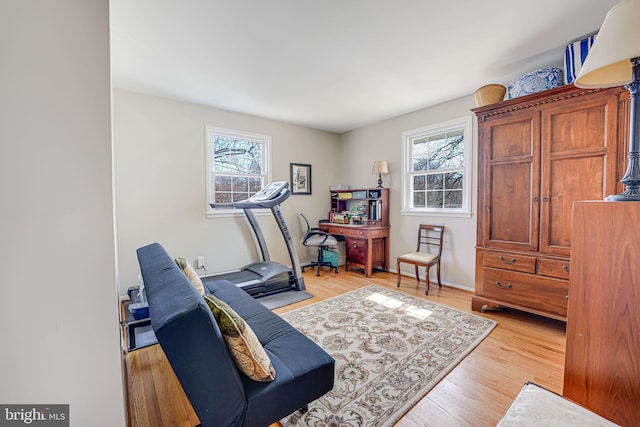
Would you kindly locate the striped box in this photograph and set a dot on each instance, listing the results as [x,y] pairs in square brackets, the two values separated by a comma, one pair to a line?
[574,55]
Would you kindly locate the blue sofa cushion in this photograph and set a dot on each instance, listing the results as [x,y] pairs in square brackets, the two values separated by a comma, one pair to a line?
[304,371]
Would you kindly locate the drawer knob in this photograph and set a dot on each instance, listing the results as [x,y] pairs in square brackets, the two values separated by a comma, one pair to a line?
[507,262]
[501,286]
[565,268]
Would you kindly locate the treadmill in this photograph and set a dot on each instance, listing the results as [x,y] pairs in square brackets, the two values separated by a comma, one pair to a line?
[265,277]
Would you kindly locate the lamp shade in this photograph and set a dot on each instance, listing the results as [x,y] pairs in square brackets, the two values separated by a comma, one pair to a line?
[608,62]
[380,166]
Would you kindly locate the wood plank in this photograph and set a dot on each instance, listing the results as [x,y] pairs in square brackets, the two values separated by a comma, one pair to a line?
[602,371]
[477,392]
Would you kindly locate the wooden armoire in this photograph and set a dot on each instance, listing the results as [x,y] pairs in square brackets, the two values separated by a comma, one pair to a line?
[537,154]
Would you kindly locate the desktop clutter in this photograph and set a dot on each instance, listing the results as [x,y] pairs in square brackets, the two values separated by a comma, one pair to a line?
[355,216]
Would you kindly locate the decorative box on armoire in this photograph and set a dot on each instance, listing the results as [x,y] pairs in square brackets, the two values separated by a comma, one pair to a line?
[602,361]
[537,154]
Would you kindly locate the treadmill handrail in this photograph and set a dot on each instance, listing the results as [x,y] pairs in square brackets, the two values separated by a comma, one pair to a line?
[270,197]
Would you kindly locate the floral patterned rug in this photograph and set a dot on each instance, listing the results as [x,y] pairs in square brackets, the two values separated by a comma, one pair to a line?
[390,350]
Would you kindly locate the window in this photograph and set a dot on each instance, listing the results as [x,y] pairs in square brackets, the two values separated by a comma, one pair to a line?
[237,165]
[436,175]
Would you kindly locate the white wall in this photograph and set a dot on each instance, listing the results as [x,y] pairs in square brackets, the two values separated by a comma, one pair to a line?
[383,141]
[59,306]
[161,196]
[160,179]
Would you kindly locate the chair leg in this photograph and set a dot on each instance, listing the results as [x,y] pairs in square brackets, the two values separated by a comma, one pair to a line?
[319,260]
[439,282]
[398,273]
[426,278]
[417,276]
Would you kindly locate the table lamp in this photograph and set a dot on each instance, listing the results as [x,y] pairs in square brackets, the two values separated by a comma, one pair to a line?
[614,60]
[380,167]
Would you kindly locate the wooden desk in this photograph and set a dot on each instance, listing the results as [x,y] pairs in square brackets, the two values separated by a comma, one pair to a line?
[367,246]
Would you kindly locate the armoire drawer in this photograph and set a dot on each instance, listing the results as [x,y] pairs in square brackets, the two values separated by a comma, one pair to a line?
[554,268]
[527,290]
[507,261]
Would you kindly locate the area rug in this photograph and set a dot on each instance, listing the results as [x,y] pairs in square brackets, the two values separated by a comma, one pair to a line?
[390,350]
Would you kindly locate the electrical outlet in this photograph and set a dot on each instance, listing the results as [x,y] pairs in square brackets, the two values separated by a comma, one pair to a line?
[200,262]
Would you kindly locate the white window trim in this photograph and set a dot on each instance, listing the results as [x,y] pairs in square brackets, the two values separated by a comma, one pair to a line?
[223,213]
[407,137]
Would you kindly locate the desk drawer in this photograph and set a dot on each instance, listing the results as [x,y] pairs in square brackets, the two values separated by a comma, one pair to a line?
[362,232]
[507,261]
[527,290]
[356,250]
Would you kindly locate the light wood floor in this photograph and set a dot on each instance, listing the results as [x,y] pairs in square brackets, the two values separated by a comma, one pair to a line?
[476,393]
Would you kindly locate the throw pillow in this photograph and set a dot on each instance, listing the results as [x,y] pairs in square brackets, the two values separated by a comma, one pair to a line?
[246,351]
[191,274]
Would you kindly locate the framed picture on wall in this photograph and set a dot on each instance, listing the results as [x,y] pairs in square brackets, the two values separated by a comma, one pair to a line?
[300,175]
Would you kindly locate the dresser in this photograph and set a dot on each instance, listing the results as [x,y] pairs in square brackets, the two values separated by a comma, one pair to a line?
[537,155]
[364,225]
[602,371]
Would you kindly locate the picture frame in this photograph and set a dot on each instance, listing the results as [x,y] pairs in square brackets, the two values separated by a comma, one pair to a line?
[300,175]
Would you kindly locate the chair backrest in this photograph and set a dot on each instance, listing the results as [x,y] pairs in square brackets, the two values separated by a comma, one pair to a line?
[306,222]
[316,236]
[430,237]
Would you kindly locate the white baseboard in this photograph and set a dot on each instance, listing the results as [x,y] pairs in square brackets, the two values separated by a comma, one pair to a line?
[444,282]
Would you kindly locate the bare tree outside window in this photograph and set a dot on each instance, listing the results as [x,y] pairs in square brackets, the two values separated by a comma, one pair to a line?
[436,163]
[236,164]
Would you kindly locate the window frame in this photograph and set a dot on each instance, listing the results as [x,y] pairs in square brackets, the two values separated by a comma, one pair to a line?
[408,137]
[210,133]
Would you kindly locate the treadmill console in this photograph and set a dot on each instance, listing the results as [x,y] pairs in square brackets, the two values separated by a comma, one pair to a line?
[269,192]
[271,195]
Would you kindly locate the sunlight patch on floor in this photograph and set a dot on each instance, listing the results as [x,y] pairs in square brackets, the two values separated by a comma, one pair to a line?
[412,310]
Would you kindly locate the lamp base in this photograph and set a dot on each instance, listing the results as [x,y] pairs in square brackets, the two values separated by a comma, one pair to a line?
[379,181]
[626,196]
[631,178]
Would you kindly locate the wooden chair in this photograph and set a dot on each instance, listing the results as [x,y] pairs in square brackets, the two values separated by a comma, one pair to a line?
[429,238]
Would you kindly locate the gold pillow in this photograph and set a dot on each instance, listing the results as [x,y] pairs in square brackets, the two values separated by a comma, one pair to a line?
[191,274]
[246,351]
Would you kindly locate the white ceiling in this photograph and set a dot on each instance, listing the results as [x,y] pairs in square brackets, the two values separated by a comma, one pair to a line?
[337,64]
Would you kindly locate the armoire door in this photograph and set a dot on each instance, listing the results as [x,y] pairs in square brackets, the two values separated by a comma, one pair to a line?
[578,149]
[509,207]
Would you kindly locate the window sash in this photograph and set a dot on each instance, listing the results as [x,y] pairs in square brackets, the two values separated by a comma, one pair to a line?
[230,179]
[433,181]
